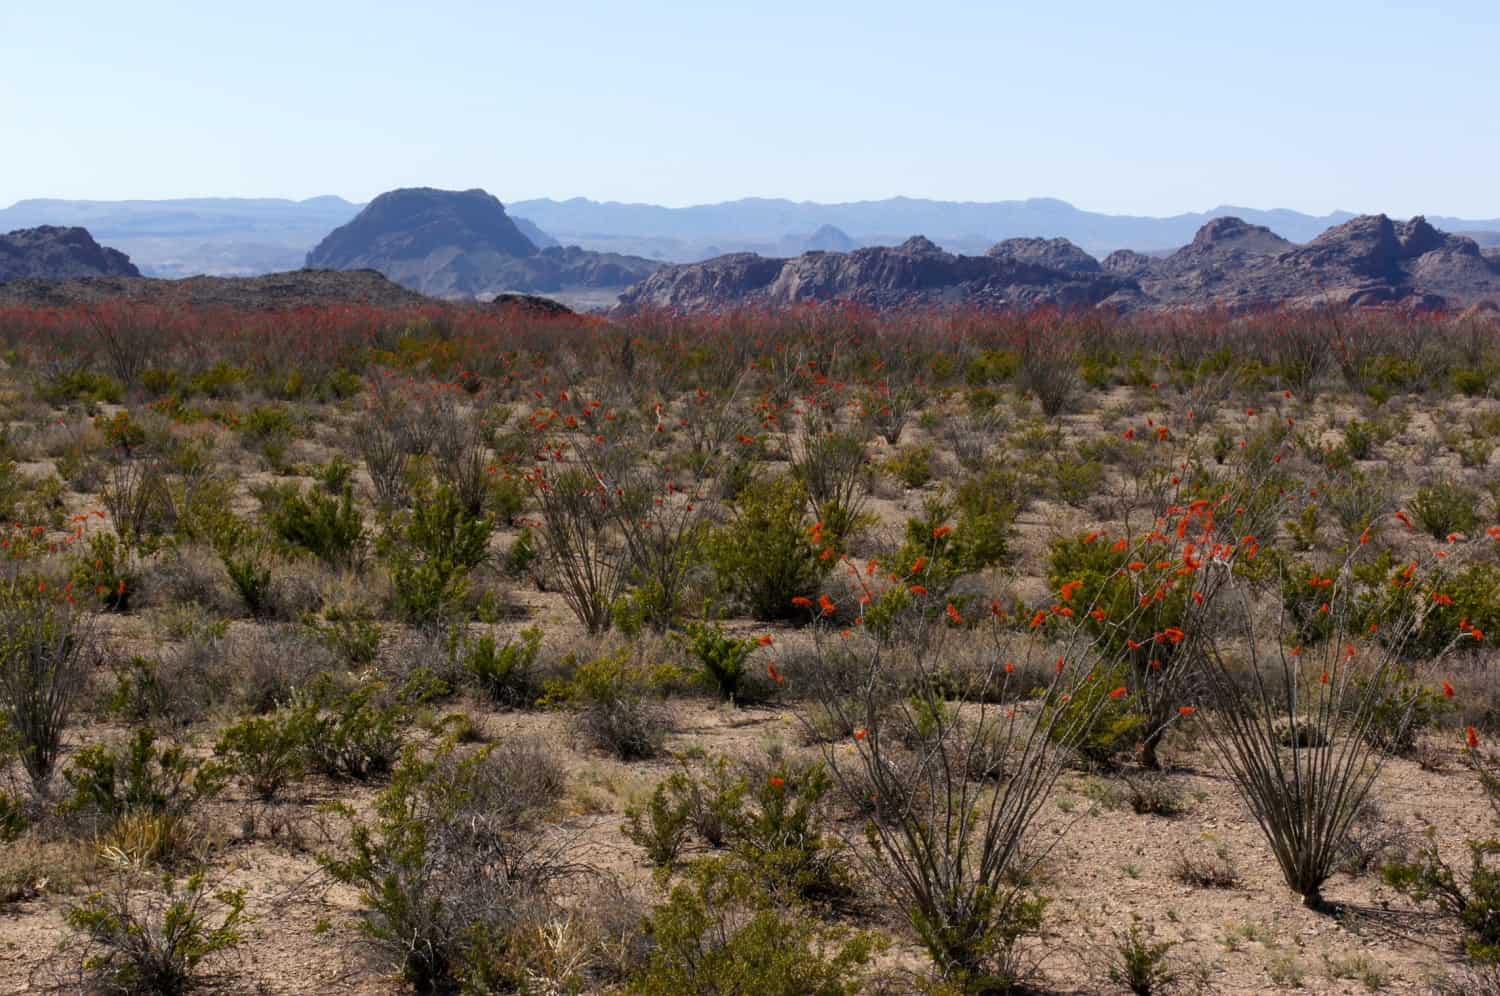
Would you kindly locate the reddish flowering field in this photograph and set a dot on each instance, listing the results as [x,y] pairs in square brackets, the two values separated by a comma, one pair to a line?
[357,650]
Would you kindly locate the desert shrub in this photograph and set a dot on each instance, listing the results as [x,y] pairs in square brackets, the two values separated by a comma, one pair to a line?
[139,500]
[928,820]
[506,672]
[582,545]
[106,785]
[912,466]
[1139,962]
[348,733]
[661,825]
[84,387]
[718,931]
[157,941]
[723,658]
[1446,507]
[383,447]
[327,527]
[1471,897]
[14,818]
[764,557]
[430,553]
[107,568]
[1469,597]
[1153,794]
[1291,729]
[450,868]
[349,631]
[1097,717]
[44,667]
[779,831]
[1051,376]
[618,702]
[265,753]
[1206,871]
[832,469]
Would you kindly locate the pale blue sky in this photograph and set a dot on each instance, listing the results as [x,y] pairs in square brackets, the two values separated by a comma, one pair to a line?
[1140,107]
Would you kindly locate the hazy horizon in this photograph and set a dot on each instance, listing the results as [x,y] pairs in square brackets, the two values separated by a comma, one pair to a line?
[1116,109]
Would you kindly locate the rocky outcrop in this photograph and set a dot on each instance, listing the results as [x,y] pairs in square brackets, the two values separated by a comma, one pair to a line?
[462,244]
[914,274]
[53,253]
[1055,254]
[271,292]
[1369,260]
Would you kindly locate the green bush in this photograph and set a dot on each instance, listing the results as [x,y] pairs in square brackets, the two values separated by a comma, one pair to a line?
[506,672]
[724,659]
[329,528]
[618,699]
[719,924]
[157,943]
[1469,597]
[108,785]
[351,733]
[265,753]
[84,387]
[449,865]
[661,826]
[764,557]
[107,568]
[1096,722]
[430,552]
[912,465]
[1444,508]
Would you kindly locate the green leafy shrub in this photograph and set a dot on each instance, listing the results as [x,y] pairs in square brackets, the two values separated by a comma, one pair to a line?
[618,699]
[348,733]
[720,925]
[764,557]
[724,659]
[1468,598]
[157,942]
[660,827]
[349,631]
[430,553]
[107,568]
[1097,722]
[327,527]
[108,785]
[912,466]
[1139,962]
[84,387]
[1446,507]
[506,672]
[265,753]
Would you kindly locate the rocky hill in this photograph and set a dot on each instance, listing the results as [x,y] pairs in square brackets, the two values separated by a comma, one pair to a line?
[50,252]
[914,274]
[1369,260]
[460,244]
[293,289]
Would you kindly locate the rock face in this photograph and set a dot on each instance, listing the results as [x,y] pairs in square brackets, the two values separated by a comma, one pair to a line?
[461,244]
[914,274]
[56,253]
[272,292]
[1369,260]
[1055,254]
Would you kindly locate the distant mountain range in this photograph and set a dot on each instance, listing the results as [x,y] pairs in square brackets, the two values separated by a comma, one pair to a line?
[239,236]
